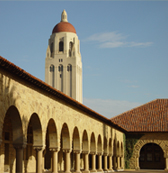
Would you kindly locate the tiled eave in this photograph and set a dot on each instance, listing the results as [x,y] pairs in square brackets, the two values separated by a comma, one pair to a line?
[25,76]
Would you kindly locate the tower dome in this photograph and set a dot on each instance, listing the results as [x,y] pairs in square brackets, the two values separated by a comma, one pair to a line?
[64,25]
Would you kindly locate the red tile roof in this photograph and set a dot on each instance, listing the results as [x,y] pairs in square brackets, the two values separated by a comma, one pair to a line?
[25,76]
[64,27]
[150,117]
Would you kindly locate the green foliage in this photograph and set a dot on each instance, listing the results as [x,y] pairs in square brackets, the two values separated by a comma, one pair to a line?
[129,142]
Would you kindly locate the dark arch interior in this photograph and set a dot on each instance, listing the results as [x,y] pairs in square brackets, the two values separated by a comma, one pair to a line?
[151,157]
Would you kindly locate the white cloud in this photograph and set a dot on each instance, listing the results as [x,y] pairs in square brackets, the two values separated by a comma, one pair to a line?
[110,108]
[115,39]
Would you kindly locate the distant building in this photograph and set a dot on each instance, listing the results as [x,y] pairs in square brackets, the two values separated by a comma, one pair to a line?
[63,64]
[44,127]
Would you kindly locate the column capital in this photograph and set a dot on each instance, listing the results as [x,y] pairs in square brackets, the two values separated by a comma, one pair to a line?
[93,152]
[105,154]
[85,152]
[77,151]
[54,149]
[38,148]
[99,154]
[19,146]
[66,150]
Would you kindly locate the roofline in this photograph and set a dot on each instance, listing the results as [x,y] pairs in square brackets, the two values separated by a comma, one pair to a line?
[25,76]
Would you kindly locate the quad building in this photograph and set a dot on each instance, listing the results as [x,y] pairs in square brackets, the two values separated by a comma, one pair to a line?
[44,127]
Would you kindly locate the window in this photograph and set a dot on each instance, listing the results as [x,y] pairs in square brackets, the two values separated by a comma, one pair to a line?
[51,47]
[51,68]
[61,46]
[70,48]
[60,68]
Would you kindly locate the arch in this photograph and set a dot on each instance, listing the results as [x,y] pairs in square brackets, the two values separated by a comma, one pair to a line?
[118,148]
[110,147]
[151,157]
[35,124]
[105,145]
[65,136]
[17,130]
[92,144]
[85,143]
[140,143]
[51,142]
[52,131]
[12,135]
[76,139]
[99,145]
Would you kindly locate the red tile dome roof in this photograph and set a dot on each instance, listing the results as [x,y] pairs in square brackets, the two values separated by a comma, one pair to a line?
[64,27]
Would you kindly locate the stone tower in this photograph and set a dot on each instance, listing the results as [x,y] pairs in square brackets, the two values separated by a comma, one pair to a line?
[63,64]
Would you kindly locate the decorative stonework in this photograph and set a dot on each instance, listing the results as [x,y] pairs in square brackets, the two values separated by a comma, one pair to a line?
[159,139]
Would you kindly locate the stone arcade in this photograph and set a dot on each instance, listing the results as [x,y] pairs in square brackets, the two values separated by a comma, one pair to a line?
[44,128]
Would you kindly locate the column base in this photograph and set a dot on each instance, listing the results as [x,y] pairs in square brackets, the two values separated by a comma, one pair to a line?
[93,170]
[77,172]
[110,170]
[166,170]
[86,171]
[100,170]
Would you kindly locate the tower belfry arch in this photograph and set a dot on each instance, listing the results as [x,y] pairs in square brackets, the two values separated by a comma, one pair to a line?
[63,63]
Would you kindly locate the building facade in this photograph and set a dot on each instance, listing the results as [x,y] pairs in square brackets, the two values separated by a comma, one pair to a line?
[63,64]
[44,127]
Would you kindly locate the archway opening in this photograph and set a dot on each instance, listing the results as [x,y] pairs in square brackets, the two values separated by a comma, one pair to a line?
[151,157]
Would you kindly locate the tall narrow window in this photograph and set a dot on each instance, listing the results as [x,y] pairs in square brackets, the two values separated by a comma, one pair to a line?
[51,48]
[69,79]
[60,69]
[52,75]
[61,46]
[70,48]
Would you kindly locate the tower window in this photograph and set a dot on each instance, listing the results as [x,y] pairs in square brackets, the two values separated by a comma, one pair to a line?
[51,47]
[69,67]
[61,46]
[70,48]
[60,68]
[51,68]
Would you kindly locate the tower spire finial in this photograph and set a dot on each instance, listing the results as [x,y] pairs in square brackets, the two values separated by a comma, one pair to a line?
[64,16]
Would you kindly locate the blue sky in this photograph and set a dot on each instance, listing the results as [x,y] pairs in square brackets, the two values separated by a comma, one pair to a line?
[124,47]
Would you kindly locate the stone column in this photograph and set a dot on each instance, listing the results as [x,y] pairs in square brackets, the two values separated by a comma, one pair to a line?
[110,163]
[100,162]
[86,163]
[137,162]
[77,161]
[166,160]
[39,164]
[118,162]
[93,162]
[105,162]
[122,162]
[54,160]
[67,160]
[19,157]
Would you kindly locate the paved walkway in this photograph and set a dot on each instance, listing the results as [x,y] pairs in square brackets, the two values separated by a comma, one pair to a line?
[145,171]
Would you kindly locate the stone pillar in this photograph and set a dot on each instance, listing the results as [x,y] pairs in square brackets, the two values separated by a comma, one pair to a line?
[100,162]
[105,162]
[115,162]
[67,160]
[54,160]
[166,160]
[110,163]
[19,157]
[86,163]
[118,163]
[77,161]
[93,162]
[137,162]
[39,164]
[122,162]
